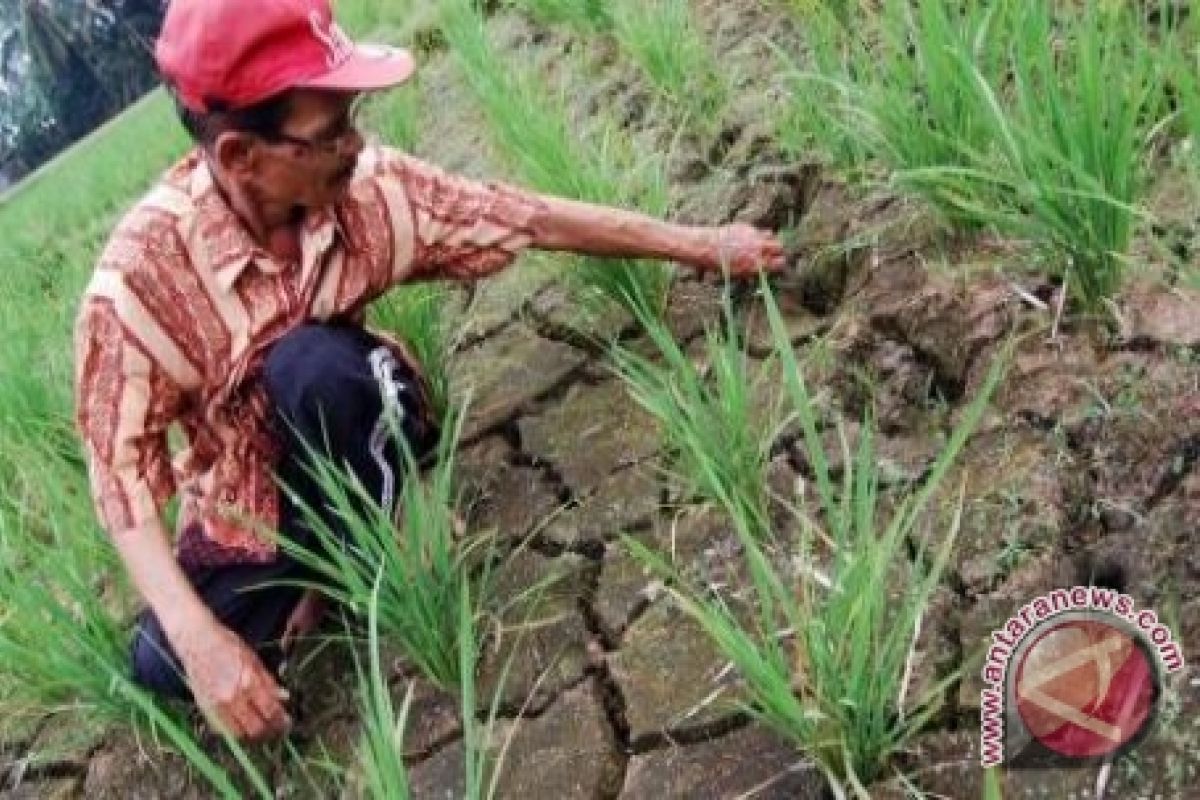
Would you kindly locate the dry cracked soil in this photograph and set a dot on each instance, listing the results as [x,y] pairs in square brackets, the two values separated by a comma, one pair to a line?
[1085,465]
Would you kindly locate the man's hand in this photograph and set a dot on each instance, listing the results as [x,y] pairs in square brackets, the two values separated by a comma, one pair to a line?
[741,250]
[231,686]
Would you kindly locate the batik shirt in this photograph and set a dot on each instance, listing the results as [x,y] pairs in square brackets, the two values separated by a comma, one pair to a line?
[183,306]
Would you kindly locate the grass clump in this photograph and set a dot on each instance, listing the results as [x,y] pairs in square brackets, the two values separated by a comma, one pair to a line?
[824,653]
[709,420]
[532,128]
[1034,119]
[426,575]
[585,16]
[662,39]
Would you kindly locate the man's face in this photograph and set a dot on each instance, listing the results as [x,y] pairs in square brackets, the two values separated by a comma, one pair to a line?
[311,160]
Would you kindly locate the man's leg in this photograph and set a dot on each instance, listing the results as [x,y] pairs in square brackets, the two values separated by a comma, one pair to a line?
[333,387]
[341,394]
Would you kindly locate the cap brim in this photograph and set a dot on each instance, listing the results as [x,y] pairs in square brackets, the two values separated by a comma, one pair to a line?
[371,66]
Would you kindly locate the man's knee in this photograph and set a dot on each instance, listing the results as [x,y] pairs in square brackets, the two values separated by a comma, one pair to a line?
[306,372]
[334,383]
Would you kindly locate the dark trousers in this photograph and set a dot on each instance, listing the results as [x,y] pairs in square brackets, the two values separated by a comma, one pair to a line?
[333,388]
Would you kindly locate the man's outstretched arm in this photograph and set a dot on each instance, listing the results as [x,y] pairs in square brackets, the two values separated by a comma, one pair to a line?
[570,225]
[465,230]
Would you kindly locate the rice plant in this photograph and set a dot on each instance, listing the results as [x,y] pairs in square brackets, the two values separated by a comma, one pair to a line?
[1026,117]
[533,130]
[662,39]
[582,15]
[422,587]
[824,658]
[809,123]
[707,419]
[64,635]
[1073,147]
[1185,81]
[892,87]
[383,772]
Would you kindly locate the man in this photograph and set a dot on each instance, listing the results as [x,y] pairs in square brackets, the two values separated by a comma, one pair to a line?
[229,301]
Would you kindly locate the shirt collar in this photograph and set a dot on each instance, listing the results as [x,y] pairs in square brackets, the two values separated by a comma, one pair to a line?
[223,245]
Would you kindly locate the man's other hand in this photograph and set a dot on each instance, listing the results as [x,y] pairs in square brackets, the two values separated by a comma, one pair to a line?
[742,250]
[236,693]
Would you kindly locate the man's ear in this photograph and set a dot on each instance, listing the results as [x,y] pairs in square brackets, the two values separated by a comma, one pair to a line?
[236,153]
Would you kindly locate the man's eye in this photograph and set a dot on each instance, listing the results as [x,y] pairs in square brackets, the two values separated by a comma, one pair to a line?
[341,129]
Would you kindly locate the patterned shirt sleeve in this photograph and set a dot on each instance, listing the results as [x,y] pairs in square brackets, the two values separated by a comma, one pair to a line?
[460,228]
[124,405]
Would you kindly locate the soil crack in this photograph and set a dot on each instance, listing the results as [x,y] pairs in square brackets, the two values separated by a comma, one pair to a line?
[1183,460]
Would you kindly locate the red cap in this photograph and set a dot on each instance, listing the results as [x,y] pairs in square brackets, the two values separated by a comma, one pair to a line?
[238,52]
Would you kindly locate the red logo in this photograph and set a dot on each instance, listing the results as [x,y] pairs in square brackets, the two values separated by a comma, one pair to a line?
[1085,688]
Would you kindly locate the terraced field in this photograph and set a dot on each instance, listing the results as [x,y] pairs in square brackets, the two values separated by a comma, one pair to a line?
[989,330]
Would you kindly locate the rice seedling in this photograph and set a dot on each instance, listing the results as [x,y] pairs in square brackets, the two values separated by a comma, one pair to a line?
[426,569]
[64,636]
[708,419]
[383,773]
[824,658]
[1024,117]
[808,124]
[532,128]
[894,89]
[1183,82]
[662,39]
[582,15]
[1073,148]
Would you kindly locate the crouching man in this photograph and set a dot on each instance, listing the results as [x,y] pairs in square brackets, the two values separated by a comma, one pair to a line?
[230,299]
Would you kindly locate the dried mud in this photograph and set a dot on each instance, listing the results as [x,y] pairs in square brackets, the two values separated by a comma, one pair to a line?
[1085,466]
